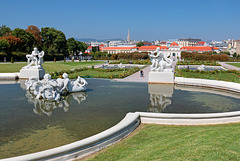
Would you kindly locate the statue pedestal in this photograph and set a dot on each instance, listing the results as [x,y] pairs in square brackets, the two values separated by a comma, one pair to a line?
[27,73]
[161,77]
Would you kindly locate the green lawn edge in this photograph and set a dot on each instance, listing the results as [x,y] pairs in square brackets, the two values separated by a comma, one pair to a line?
[165,142]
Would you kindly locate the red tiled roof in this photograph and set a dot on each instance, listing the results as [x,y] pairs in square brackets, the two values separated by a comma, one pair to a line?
[200,43]
[150,48]
[199,48]
[90,47]
[101,45]
[174,44]
[117,48]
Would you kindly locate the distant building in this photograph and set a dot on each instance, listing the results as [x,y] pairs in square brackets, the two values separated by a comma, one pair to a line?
[238,47]
[199,49]
[172,51]
[222,45]
[170,41]
[116,50]
[188,42]
[201,43]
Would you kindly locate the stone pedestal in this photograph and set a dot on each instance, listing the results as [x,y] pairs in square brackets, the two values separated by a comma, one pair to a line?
[27,73]
[161,77]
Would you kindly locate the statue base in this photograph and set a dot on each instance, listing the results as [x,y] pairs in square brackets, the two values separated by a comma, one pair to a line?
[27,73]
[161,77]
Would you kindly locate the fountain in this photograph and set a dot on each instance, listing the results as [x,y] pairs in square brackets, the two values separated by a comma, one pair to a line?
[201,67]
[161,68]
[51,89]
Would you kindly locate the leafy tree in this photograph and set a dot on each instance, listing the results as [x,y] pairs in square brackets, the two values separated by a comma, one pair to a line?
[27,39]
[53,41]
[82,46]
[72,46]
[4,30]
[13,42]
[4,45]
[140,44]
[34,30]
[235,55]
[95,49]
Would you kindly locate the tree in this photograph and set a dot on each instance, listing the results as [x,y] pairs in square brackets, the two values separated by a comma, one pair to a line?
[140,44]
[82,46]
[53,41]
[4,30]
[34,30]
[13,42]
[27,39]
[4,45]
[72,46]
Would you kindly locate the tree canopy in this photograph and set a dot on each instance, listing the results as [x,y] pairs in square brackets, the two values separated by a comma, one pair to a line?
[52,41]
[140,44]
[4,30]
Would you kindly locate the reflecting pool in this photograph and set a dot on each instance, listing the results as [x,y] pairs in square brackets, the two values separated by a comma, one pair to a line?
[207,68]
[28,125]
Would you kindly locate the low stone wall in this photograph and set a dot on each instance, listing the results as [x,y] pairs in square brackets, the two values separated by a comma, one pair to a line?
[229,86]
[9,76]
[189,119]
[86,146]
[196,119]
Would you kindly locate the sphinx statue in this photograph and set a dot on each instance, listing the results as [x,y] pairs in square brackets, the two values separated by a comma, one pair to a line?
[52,90]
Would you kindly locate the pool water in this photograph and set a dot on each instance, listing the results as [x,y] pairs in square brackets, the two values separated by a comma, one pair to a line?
[28,125]
[207,68]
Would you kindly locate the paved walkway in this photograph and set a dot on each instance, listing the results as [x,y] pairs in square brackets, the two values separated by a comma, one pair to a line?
[230,67]
[136,76]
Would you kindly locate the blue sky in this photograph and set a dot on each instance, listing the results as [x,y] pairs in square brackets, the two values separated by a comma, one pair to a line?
[146,19]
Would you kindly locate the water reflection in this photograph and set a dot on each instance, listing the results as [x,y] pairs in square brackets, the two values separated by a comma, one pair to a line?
[43,106]
[160,96]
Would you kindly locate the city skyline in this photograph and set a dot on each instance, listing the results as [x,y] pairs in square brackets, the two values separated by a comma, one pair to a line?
[146,20]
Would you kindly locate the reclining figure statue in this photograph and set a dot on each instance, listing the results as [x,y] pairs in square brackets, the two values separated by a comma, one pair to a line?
[52,90]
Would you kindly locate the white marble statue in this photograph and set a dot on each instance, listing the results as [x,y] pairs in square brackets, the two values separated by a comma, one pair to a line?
[35,60]
[44,106]
[201,67]
[160,63]
[121,66]
[51,89]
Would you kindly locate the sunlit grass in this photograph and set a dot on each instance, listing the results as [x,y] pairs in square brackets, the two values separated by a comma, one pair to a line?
[48,66]
[161,142]
[235,64]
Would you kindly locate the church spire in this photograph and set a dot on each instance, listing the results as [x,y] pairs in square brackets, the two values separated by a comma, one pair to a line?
[128,37]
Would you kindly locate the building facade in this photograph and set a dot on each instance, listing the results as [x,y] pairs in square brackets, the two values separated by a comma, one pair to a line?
[187,42]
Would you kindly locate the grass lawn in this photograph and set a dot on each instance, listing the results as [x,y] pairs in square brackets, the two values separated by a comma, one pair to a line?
[230,77]
[162,142]
[95,74]
[48,66]
[235,64]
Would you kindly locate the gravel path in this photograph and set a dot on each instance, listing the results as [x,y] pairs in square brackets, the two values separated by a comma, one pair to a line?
[230,67]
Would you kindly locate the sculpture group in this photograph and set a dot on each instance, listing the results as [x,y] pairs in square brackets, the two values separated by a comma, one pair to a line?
[53,89]
[34,66]
[35,60]
[160,63]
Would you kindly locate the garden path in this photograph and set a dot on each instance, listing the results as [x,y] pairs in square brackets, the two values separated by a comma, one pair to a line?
[225,65]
